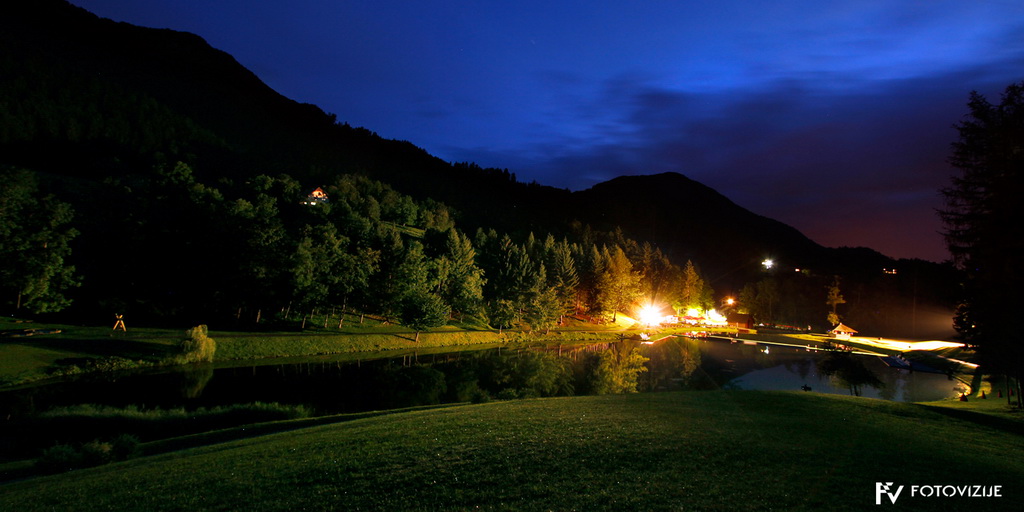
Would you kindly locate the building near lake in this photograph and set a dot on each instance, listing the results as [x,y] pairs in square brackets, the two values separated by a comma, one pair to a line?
[743,321]
[842,332]
[316,197]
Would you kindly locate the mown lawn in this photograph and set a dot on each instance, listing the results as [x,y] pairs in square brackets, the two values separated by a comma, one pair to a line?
[31,358]
[662,451]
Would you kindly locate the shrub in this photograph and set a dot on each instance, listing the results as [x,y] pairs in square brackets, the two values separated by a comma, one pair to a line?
[199,347]
[509,394]
[479,396]
[124,447]
[96,453]
[79,365]
[59,458]
[83,422]
[64,457]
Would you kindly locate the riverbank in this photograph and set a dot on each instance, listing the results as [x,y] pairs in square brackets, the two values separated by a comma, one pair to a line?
[70,349]
[659,451]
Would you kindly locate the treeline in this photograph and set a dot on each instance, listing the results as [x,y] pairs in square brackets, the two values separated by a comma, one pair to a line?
[166,245]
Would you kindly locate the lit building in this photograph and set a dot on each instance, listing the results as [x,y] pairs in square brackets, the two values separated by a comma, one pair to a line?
[316,197]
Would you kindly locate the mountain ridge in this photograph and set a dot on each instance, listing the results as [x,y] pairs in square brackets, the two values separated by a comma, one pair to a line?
[263,131]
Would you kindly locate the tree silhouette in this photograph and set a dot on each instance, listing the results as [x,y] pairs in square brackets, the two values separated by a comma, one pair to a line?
[422,310]
[984,220]
[833,299]
[35,234]
[562,275]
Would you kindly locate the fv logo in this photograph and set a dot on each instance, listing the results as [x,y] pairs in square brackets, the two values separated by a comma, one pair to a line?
[883,488]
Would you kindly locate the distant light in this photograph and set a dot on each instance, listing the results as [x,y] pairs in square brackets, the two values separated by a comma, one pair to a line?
[889,271]
[730,301]
[768,263]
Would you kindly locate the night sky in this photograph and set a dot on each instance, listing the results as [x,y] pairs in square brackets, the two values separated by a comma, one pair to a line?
[835,117]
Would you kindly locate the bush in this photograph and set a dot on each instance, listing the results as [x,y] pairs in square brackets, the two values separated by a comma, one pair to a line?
[479,396]
[509,394]
[79,365]
[59,458]
[199,347]
[64,457]
[83,422]
[96,453]
[124,447]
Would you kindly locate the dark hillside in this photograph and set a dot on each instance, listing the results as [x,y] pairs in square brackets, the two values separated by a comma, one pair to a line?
[230,123]
[104,110]
[692,221]
[182,73]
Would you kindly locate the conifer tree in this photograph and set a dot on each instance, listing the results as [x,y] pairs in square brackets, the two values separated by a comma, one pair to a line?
[562,275]
[833,299]
[618,284]
[463,282]
[984,221]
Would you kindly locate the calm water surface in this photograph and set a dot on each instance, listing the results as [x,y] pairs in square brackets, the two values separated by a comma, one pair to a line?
[330,385]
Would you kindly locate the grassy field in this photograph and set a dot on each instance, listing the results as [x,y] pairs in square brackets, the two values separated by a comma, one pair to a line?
[661,451]
[31,358]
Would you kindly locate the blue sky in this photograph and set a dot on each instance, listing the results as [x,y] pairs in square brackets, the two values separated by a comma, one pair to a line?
[832,116]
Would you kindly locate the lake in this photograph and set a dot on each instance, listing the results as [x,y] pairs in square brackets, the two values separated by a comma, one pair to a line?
[333,384]
[782,368]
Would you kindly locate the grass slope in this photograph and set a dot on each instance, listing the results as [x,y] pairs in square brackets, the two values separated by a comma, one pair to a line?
[663,451]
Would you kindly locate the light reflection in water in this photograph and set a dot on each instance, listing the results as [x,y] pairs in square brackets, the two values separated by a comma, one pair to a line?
[684,363]
[332,385]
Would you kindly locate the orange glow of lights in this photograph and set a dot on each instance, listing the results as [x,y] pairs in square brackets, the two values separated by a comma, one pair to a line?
[906,345]
[714,318]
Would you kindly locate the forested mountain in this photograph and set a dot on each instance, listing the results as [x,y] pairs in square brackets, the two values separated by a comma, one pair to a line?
[185,174]
[691,221]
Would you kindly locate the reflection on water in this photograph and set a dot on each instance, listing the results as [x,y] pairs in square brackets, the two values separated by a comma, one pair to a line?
[332,386]
[194,379]
[717,364]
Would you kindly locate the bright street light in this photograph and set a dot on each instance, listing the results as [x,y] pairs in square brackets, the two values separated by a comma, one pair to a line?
[650,315]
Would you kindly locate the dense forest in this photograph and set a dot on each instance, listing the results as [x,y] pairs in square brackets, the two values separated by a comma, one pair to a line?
[146,173]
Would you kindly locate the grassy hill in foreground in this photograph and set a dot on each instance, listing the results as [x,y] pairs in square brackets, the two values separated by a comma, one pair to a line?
[705,450]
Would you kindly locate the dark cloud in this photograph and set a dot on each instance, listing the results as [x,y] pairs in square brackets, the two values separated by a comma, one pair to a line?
[859,165]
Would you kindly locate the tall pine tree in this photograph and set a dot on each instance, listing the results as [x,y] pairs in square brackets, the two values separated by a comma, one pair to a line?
[984,220]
